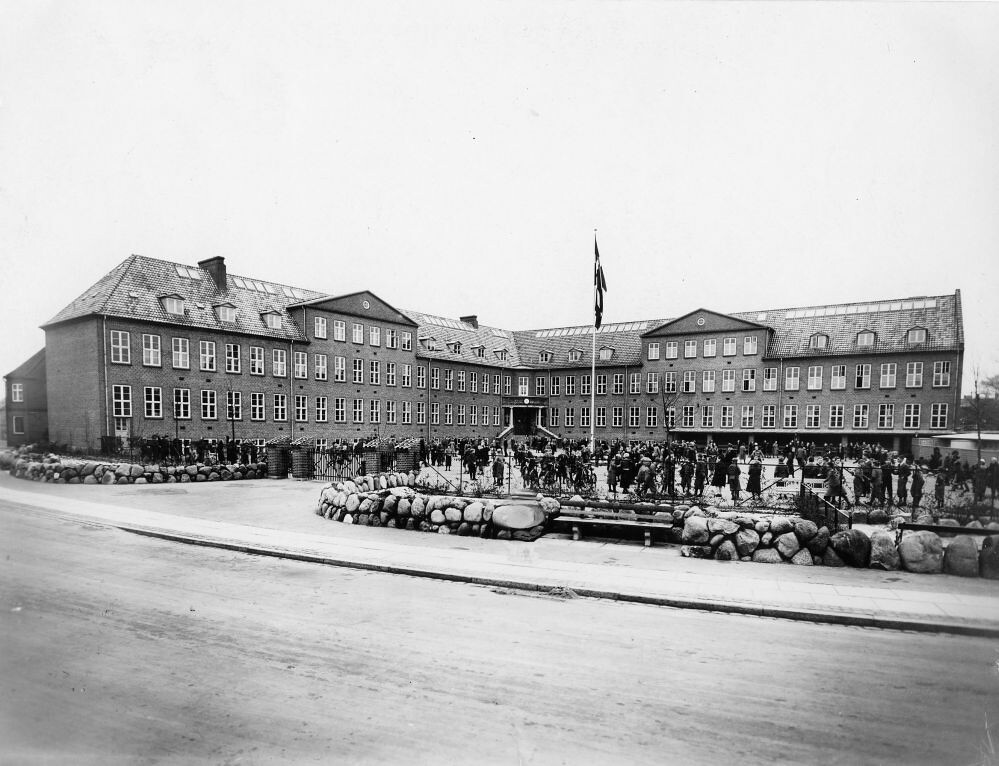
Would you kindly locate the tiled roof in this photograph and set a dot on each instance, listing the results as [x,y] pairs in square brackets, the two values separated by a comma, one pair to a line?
[446,332]
[133,289]
[33,368]
[624,338]
[890,321]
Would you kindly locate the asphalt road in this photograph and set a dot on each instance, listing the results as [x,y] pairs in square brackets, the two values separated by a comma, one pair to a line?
[116,648]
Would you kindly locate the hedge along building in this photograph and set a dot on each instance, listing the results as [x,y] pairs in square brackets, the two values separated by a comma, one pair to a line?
[157,347]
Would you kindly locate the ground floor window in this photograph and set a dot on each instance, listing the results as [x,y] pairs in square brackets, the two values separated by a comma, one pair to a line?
[17,424]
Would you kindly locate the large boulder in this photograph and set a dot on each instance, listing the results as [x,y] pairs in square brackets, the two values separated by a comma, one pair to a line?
[988,559]
[805,529]
[921,552]
[961,557]
[788,545]
[802,558]
[520,516]
[695,530]
[722,527]
[452,514]
[818,544]
[877,516]
[747,541]
[884,554]
[853,547]
[767,556]
[473,513]
[437,516]
[727,552]
[831,559]
[780,524]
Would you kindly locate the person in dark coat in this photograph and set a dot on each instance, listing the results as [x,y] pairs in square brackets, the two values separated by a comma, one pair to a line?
[700,475]
[718,478]
[916,490]
[755,480]
[733,472]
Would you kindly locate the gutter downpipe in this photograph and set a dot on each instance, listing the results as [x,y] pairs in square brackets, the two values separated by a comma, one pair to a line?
[107,410]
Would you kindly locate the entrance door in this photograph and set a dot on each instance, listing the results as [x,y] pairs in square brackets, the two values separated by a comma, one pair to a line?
[524,421]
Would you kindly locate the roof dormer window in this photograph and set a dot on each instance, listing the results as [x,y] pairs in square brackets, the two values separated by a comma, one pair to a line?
[173,304]
[455,347]
[272,319]
[865,339]
[575,355]
[819,341]
[544,357]
[480,351]
[917,335]
[429,343]
[501,354]
[226,313]
[606,354]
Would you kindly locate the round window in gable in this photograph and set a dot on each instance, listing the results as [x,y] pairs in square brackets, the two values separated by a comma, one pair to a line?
[700,321]
[366,304]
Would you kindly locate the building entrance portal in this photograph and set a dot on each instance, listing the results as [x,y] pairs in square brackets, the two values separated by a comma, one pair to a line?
[525,421]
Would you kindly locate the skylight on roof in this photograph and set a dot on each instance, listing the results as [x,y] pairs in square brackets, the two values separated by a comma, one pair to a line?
[861,308]
[184,271]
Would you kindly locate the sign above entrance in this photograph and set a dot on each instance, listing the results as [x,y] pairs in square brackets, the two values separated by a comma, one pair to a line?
[525,401]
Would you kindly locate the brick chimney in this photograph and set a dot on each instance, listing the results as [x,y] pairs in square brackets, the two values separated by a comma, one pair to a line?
[216,267]
[472,319]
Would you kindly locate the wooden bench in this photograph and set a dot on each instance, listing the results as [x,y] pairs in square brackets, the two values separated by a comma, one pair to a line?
[605,520]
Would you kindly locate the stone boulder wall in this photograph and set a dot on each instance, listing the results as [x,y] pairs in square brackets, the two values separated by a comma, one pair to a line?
[390,500]
[728,536]
[61,470]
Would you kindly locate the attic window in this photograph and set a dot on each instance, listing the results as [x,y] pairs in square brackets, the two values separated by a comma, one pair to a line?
[575,355]
[429,343]
[174,305]
[917,335]
[227,313]
[272,320]
[606,354]
[184,271]
[480,351]
[818,341]
[545,357]
[455,347]
[865,339]
[500,353]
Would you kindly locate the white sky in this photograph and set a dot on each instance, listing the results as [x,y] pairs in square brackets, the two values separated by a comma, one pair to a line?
[455,157]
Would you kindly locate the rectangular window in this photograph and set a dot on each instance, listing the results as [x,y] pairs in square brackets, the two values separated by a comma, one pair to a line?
[887,375]
[812,415]
[671,349]
[209,405]
[710,348]
[407,376]
[652,383]
[618,384]
[617,417]
[17,424]
[670,417]
[319,329]
[914,375]
[121,351]
[790,416]
[553,417]
[634,417]
[836,415]
[435,413]
[687,417]
[540,386]
[407,340]
[389,373]
[941,374]
[690,349]
[727,416]
[407,413]
[206,351]
[770,379]
[256,360]
[375,372]
[421,413]
[376,411]
[280,407]
[669,382]
[635,383]
[570,385]
[748,416]
[339,330]
[584,385]
[182,403]
[791,378]
[570,417]
[448,414]
[602,384]
[749,380]
[357,336]
[17,392]
[584,417]
[728,347]
[374,336]
[601,417]
[301,365]
[321,409]
[689,382]
[448,380]
[938,415]
[496,416]
[910,416]
[473,416]
[861,415]
[523,385]
[358,371]
[496,384]
[339,368]
[151,356]
[233,405]
[863,378]
[181,354]
[473,382]
[233,363]
[556,385]
[653,352]
[391,416]
[358,409]
[421,376]
[506,385]
[708,416]
[391,338]
[728,381]
[768,417]
[461,380]
[153,396]
[708,381]
[886,415]
[256,406]
[301,408]
[319,364]
[749,345]
[279,362]
[652,417]
[815,378]
[339,410]
[837,377]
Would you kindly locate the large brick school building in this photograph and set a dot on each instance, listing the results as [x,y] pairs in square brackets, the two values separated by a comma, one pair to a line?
[194,352]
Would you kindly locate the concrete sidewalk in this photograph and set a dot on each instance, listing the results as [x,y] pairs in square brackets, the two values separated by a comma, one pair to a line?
[276,518]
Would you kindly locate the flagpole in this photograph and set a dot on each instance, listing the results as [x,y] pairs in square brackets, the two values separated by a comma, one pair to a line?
[593,366]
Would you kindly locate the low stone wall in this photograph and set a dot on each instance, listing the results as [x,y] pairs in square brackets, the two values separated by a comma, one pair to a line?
[390,500]
[70,471]
[781,539]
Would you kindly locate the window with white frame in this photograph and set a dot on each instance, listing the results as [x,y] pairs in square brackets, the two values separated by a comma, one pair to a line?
[435,413]
[496,384]
[653,353]
[727,416]
[407,340]
[910,416]
[584,417]
[375,410]
[301,365]
[689,349]
[17,392]
[206,354]
[357,371]
[435,378]
[728,347]
[916,335]
[449,380]
[670,417]
[17,424]
[173,305]
[574,355]
[863,377]
[812,414]
[407,376]
[769,378]
[181,352]
[669,382]
[570,417]
[357,413]
[279,362]
[815,377]
[790,416]
[151,356]
[209,404]
[886,415]
[708,381]
[523,385]
[768,416]
[374,336]
[233,405]
[556,385]
[339,369]
[570,385]
[421,413]
[941,374]
[461,380]
[749,345]
[448,414]
[257,406]
[357,336]
[617,417]
[791,378]
[153,401]
[319,327]
[888,373]
[321,409]
[865,339]
[273,320]
[689,382]
[748,416]
[121,352]
[652,383]
[339,409]
[421,376]
[339,330]
[728,381]
[391,338]
[634,417]
[861,415]
[914,375]
[671,349]
[601,418]
[710,348]
[618,383]
[319,362]
[635,383]
[687,416]
[375,372]
[836,415]
[606,354]
[407,412]
[818,341]
[652,417]
[749,380]
[496,416]
[182,403]
[256,360]
[584,385]
[233,363]
[473,381]
[389,373]
[301,408]
[541,385]
[837,377]
[938,415]
[708,416]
